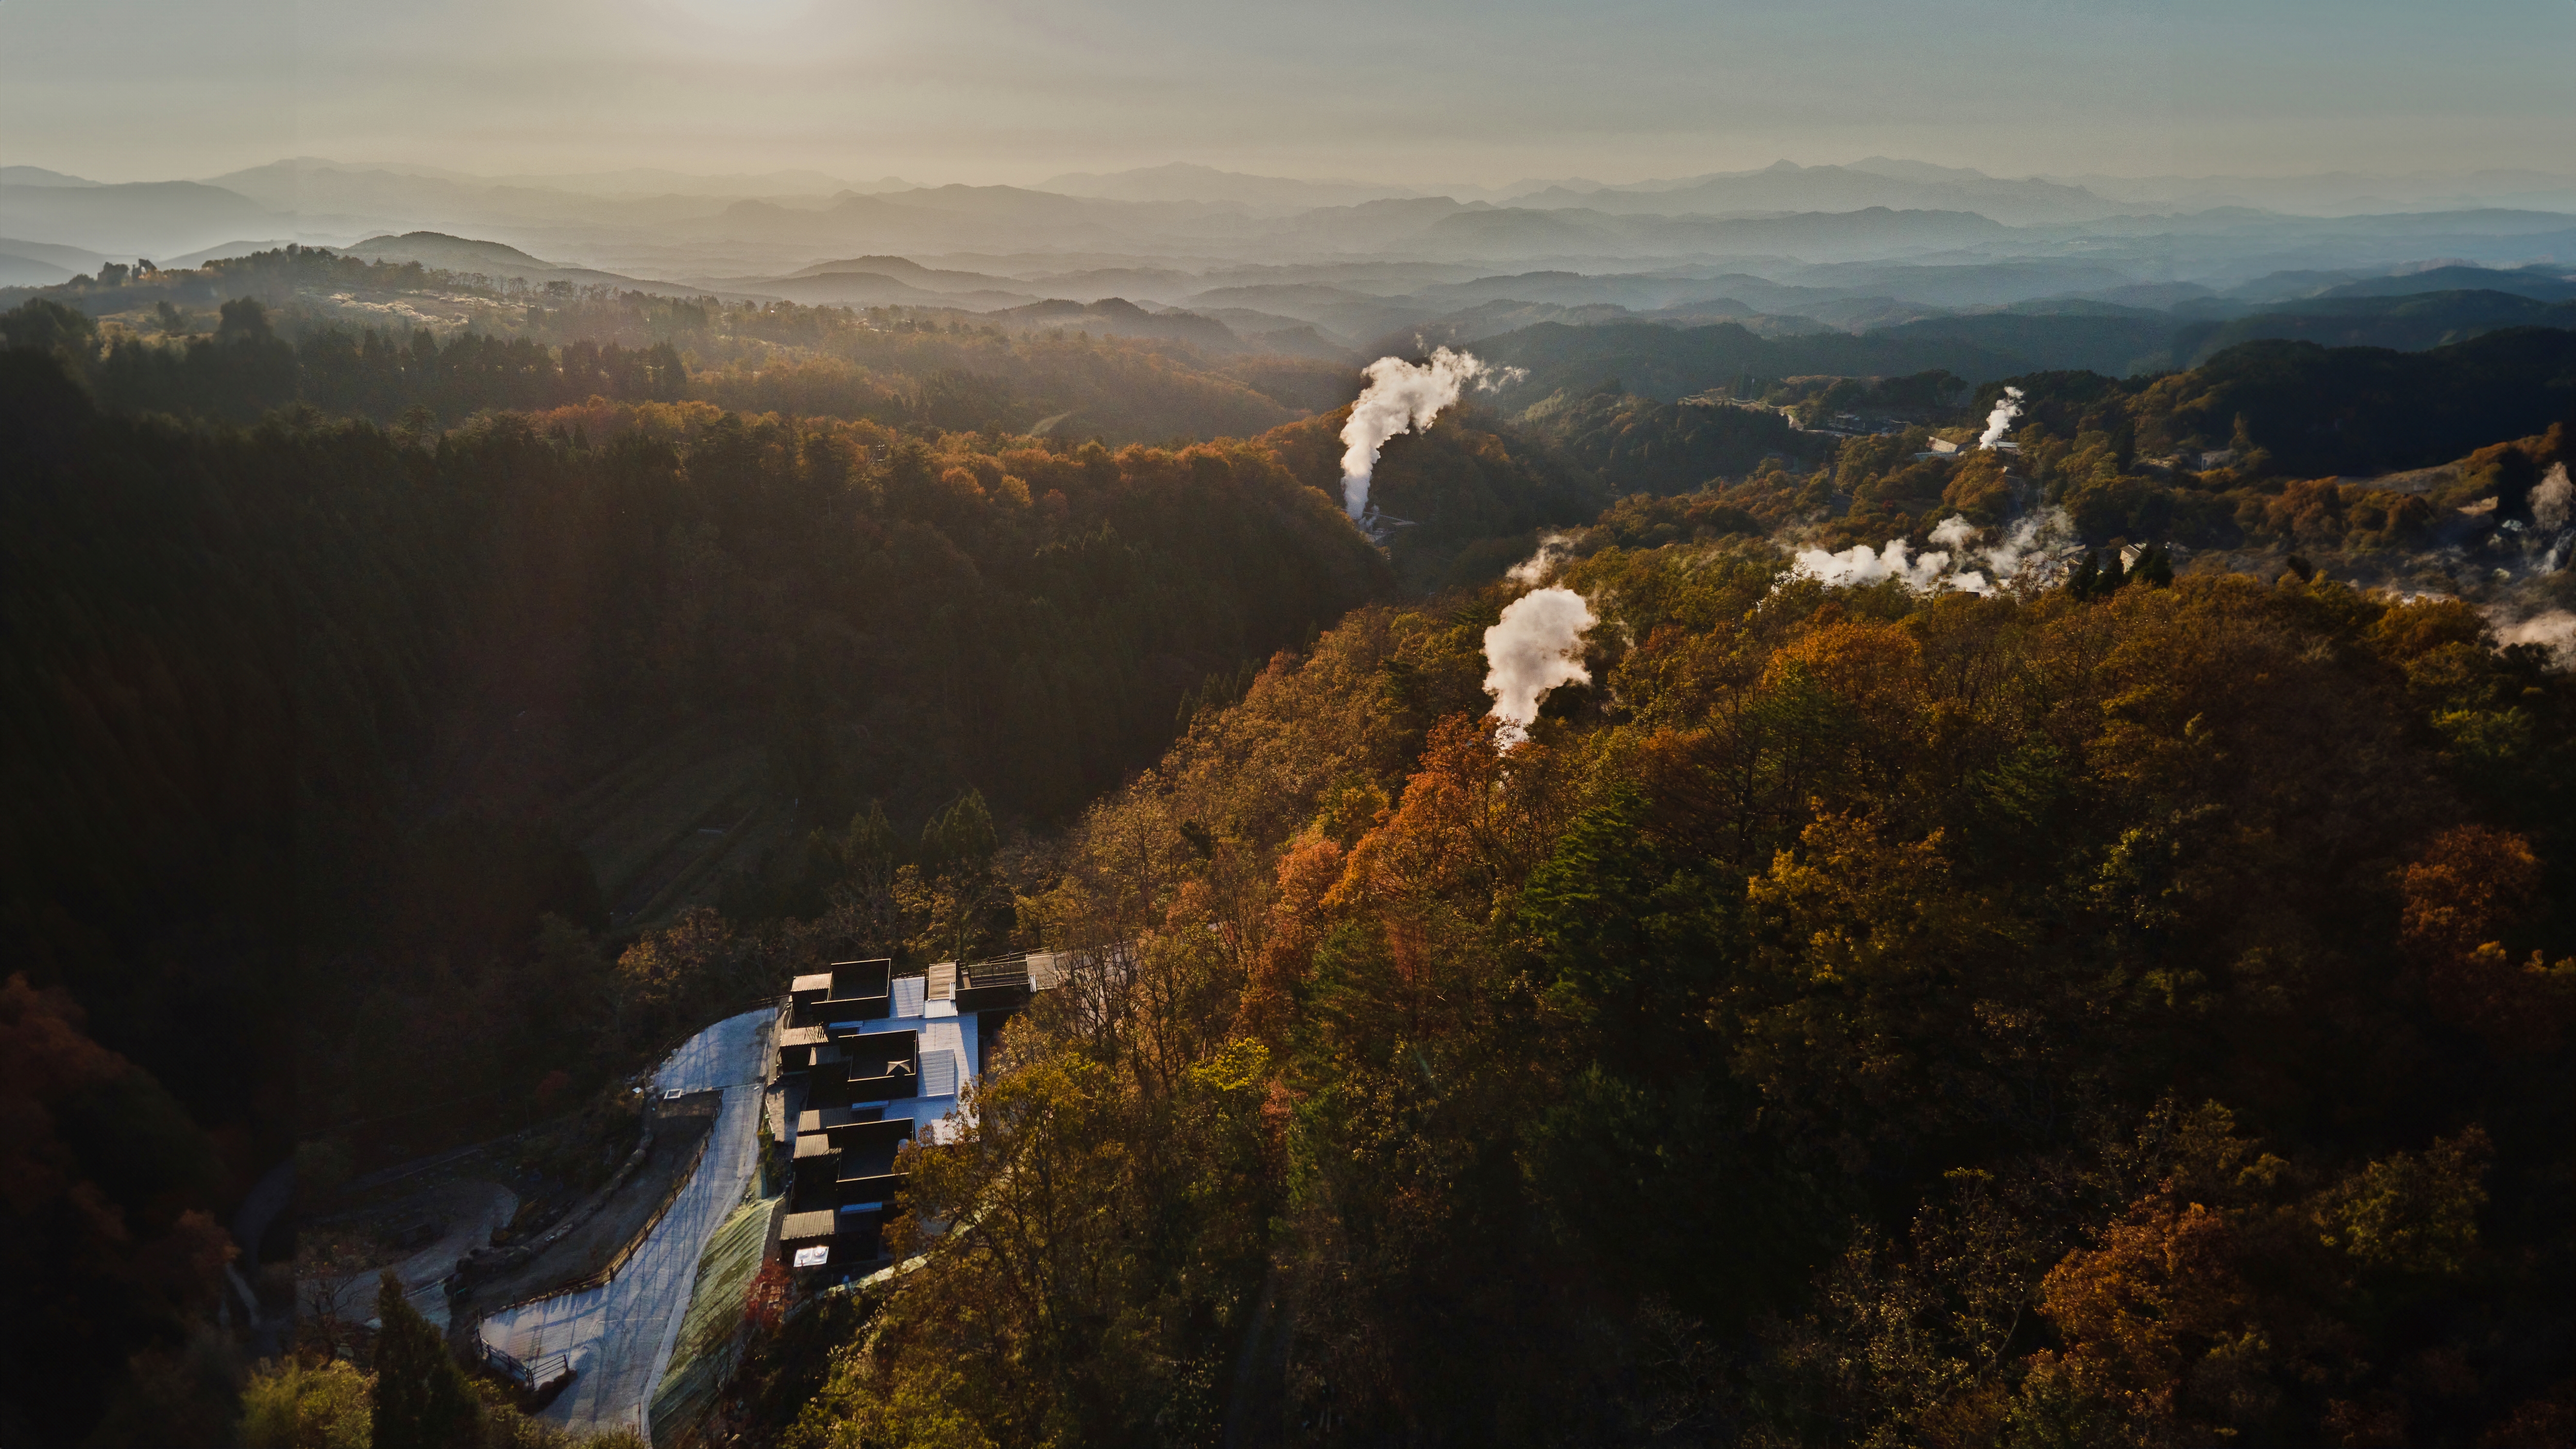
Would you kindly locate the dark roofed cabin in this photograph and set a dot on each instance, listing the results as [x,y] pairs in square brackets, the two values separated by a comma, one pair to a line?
[852,1169]
[876,1066]
[828,1239]
[1001,985]
[800,1046]
[852,991]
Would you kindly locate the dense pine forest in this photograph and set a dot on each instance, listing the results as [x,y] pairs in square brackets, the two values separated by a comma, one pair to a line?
[2126,1005]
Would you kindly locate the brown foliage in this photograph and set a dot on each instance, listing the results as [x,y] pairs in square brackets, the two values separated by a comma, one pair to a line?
[1308,870]
[2471,886]
[1844,908]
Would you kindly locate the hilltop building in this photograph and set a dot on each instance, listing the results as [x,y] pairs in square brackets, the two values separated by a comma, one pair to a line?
[872,1058]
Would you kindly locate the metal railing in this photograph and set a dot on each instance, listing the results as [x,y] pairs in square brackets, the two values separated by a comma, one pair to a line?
[530,1375]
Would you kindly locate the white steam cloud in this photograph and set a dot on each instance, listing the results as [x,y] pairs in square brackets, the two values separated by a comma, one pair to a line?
[2000,421]
[2031,543]
[1861,564]
[2555,630]
[1553,549]
[2039,539]
[2549,501]
[1537,646]
[1401,396]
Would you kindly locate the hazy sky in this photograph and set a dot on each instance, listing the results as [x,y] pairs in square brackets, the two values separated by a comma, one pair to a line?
[1412,91]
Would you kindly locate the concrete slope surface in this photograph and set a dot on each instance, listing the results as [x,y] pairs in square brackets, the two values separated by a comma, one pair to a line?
[473,1211]
[619,1335]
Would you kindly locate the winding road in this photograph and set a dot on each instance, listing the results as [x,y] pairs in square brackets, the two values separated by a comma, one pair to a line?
[618,1337]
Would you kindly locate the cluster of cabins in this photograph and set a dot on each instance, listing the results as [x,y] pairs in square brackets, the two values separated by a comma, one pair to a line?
[871,1059]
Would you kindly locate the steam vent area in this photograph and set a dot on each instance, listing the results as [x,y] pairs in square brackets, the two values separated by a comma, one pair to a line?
[872,1059]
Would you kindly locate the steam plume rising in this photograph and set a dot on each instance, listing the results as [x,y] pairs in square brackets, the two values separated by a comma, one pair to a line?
[2555,629]
[2000,421]
[2551,501]
[1537,646]
[1401,396]
[1862,564]
[1553,549]
[2033,543]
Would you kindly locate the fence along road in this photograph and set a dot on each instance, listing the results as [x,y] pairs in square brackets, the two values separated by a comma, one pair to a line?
[618,1335]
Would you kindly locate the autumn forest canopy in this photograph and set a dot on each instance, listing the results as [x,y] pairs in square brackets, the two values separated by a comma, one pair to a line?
[2109,986]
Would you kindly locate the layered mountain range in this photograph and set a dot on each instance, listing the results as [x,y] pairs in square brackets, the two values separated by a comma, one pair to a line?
[1937,266]
[680,227]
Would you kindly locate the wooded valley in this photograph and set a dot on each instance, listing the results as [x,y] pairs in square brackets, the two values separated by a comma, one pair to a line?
[2124,1002]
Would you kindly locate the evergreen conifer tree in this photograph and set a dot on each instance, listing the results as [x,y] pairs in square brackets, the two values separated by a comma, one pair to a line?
[422,1400]
[2155,568]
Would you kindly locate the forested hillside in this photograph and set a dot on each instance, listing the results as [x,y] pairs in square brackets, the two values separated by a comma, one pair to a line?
[1471,491]
[237,338]
[1855,1018]
[2128,1007]
[2404,470]
[1662,447]
[288,711]
[1666,363]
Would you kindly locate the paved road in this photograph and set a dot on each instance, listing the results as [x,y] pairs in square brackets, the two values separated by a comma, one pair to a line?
[619,1335]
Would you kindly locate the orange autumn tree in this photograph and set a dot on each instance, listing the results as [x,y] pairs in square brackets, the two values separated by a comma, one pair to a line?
[2468,890]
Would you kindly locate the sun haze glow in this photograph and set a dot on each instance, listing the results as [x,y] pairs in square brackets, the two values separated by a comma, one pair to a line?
[743,15]
[1440,92]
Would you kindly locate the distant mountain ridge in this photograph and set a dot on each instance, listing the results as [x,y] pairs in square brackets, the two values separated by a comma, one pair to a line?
[174,215]
[39,176]
[1880,241]
[1183,181]
[1787,186]
[441,252]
